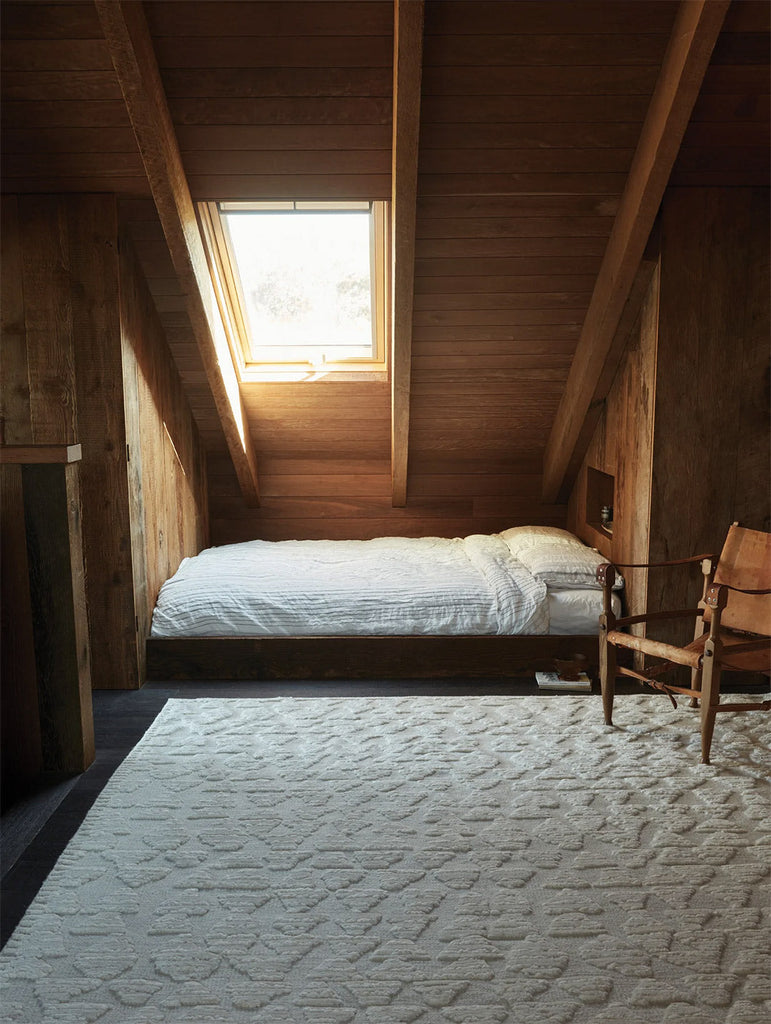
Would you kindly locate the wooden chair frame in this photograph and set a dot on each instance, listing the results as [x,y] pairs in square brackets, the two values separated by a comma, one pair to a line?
[713,648]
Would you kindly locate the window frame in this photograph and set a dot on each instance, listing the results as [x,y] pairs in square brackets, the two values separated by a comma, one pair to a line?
[227,290]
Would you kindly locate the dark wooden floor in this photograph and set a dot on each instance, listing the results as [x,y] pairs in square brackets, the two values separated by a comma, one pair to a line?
[37,828]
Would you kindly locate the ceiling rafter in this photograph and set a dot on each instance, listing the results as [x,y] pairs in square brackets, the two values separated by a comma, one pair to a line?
[695,31]
[131,50]
[408,61]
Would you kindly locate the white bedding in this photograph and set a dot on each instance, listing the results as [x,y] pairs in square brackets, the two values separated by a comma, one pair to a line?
[577,611]
[387,586]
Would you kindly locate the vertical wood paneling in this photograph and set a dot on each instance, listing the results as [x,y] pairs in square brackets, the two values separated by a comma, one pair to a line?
[48,317]
[166,465]
[39,406]
[15,411]
[22,757]
[52,514]
[94,288]
[709,415]
[754,419]
[530,113]
[622,447]
[685,431]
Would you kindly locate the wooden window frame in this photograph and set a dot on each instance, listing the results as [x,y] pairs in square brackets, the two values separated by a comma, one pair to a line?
[228,294]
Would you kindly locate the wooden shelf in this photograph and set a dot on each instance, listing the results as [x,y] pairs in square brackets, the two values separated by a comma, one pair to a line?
[600,492]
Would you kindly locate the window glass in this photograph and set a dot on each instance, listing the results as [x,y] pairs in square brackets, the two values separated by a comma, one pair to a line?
[306,282]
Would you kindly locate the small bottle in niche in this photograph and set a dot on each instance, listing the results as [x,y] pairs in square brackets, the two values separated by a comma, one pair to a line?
[606,515]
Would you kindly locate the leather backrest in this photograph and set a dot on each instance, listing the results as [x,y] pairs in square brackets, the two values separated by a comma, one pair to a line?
[745,562]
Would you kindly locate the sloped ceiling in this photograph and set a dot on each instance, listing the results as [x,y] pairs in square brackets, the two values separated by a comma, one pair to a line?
[530,115]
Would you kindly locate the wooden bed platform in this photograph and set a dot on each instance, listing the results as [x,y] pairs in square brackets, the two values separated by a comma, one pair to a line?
[362,657]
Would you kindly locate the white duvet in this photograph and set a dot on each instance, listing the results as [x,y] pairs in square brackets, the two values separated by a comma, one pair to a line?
[387,586]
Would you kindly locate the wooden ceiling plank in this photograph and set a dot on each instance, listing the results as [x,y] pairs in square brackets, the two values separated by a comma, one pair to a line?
[131,49]
[693,38]
[408,59]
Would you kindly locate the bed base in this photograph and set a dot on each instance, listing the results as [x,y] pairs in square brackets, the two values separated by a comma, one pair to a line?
[362,657]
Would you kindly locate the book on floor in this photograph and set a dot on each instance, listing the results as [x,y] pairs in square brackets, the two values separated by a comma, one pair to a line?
[552,681]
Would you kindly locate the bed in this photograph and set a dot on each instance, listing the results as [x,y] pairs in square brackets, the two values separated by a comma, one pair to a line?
[484,605]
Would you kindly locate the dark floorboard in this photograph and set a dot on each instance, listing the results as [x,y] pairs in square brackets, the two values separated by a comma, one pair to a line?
[37,828]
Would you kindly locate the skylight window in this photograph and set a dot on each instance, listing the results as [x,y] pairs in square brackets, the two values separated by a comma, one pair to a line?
[301,283]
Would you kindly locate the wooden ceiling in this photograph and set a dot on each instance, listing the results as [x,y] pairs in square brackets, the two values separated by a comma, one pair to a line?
[530,115]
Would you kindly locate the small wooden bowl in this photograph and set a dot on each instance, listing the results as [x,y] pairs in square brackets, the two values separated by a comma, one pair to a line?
[571,669]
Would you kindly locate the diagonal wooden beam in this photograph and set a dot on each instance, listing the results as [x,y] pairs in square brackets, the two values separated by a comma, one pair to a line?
[131,49]
[696,28]
[408,61]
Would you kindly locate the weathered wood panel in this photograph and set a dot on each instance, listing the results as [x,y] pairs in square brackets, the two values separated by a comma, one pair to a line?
[166,464]
[48,319]
[516,97]
[66,311]
[22,755]
[723,150]
[15,408]
[685,431]
[622,448]
[712,381]
[94,288]
[52,515]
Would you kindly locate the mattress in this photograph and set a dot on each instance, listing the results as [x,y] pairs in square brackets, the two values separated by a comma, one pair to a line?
[388,586]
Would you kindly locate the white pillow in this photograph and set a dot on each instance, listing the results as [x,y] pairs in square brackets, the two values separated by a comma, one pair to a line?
[556,557]
[521,538]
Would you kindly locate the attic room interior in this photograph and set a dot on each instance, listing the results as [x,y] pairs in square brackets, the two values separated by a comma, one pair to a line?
[558,336]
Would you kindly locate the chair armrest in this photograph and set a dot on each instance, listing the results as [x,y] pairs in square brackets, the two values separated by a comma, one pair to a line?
[654,565]
[713,592]
[680,613]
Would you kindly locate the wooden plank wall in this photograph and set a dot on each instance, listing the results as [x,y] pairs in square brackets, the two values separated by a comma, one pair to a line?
[21,747]
[63,370]
[685,432]
[65,126]
[37,406]
[526,136]
[622,448]
[70,375]
[726,144]
[296,102]
[166,464]
[530,115]
[711,453]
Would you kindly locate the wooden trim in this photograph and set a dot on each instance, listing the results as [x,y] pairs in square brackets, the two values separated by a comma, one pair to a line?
[131,50]
[408,59]
[226,282]
[39,454]
[694,34]
[362,657]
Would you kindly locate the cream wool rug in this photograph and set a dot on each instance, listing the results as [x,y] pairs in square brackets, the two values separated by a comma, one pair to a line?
[469,860]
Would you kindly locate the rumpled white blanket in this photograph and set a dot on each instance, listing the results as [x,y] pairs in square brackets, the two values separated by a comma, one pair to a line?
[387,586]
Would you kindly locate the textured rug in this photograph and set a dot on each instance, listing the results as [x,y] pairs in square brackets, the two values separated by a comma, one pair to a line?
[471,860]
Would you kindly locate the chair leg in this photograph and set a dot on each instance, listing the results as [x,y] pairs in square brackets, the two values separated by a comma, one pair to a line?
[607,673]
[695,685]
[710,698]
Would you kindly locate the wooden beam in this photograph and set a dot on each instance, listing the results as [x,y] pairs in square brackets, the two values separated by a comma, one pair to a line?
[131,49]
[408,60]
[32,454]
[694,34]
